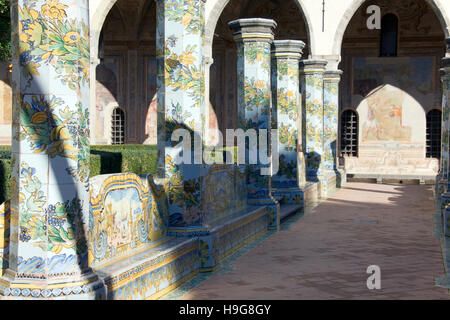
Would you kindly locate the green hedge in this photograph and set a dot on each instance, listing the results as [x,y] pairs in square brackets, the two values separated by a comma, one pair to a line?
[138,159]
[5,180]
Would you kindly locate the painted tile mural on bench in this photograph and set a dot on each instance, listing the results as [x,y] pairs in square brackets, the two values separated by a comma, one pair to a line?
[150,284]
[219,193]
[127,213]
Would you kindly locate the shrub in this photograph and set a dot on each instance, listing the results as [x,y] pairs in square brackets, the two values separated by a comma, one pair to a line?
[138,159]
[5,180]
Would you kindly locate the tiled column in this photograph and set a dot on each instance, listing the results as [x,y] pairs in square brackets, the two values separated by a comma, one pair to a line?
[313,122]
[442,178]
[50,153]
[330,126]
[443,182]
[181,104]
[254,38]
[286,55]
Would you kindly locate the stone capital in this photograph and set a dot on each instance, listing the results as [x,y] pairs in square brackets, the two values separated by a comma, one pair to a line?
[332,75]
[292,49]
[208,61]
[310,65]
[255,29]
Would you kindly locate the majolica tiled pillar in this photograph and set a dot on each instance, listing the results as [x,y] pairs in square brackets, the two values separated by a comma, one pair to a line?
[50,153]
[442,179]
[443,183]
[286,55]
[181,104]
[254,38]
[312,73]
[330,126]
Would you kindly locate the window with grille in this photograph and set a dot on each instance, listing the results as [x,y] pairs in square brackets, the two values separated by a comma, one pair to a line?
[118,127]
[349,133]
[389,36]
[434,120]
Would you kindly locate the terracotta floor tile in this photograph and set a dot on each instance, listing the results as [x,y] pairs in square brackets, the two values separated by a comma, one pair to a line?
[325,254]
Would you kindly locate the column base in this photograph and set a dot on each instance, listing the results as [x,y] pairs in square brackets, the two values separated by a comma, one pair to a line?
[329,182]
[439,190]
[86,287]
[272,206]
[341,178]
[446,214]
[291,200]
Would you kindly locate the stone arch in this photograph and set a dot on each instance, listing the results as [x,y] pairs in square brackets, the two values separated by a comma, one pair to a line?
[98,20]
[436,5]
[220,5]
[96,24]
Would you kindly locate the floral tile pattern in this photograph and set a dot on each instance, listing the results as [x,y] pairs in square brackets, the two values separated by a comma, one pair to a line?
[286,117]
[330,118]
[50,144]
[312,92]
[180,86]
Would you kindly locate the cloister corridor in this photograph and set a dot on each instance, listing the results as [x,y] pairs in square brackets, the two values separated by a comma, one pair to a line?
[324,254]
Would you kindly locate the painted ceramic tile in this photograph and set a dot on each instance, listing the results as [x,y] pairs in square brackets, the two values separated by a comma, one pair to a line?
[50,143]
[286,118]
[330,122]
[180,85]
[312,91]
[127,213]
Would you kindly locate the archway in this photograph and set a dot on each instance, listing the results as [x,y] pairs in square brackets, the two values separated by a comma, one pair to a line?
[356,6]
[222,79]
[391,78]
[126,74]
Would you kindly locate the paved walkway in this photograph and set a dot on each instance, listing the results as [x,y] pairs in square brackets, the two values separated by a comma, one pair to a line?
[325,254]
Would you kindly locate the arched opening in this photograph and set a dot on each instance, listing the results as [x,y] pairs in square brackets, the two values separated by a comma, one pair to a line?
[126,75]
[391,80]
[223,77]
[389,35]
[434,125]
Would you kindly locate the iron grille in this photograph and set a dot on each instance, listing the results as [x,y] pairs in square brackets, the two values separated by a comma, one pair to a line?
[349,133]
[118,126]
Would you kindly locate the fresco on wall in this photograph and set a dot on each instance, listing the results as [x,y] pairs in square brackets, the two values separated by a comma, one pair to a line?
[414,74]
[151,122]
[392,96]
[107,90]
[384,120]
[151,102]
